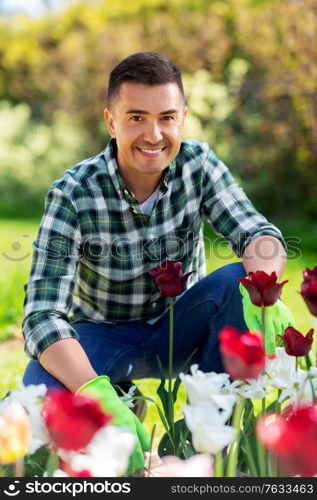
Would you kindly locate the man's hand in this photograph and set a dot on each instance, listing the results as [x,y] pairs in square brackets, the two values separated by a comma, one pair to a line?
[277,318]
[101,389]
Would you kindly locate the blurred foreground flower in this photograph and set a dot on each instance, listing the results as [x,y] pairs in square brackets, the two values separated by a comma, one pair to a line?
[242,353]
[309,289]
[72,420]
[200,465]
[169,278]
[107,454]
[15,432]
[263,288]
[30,398]
[297,344]
[292,438]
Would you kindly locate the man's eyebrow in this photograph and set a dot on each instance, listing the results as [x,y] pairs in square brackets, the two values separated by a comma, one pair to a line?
[142,112]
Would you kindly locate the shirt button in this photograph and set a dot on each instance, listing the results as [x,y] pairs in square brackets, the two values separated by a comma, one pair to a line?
[154,304]
[126,192]
[134,210]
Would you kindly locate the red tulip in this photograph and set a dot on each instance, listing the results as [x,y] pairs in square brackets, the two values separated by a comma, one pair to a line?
[242,353]
[295,343]
[169,278]
[263,288]
[72,420]
[292,437]
[309,289]
[310,274]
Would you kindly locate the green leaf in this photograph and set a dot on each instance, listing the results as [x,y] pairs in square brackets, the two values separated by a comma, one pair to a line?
[162,392]
[185,445]
[247,458]
[163,419]
[308,361]
[161,369]
[184,368]
[182,438]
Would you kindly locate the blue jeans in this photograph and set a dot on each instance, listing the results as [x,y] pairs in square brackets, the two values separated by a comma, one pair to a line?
[128,350]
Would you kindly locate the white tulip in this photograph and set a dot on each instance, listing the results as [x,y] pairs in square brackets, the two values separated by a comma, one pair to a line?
[207,426]
[281,369]
[304,389]
[254,388]
[214,388]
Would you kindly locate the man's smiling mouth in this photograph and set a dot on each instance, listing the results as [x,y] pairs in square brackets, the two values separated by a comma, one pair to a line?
[152,152]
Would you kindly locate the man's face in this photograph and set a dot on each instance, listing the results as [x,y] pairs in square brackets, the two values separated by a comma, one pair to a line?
[147,123]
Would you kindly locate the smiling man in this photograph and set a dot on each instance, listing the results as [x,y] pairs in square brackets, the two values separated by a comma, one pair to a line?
[93,315]
[147,123]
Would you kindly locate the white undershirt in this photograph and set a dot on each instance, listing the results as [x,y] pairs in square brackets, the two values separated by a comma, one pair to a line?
[147,206]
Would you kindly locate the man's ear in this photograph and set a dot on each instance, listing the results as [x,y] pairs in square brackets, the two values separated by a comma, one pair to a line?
[110,122]
[184,115]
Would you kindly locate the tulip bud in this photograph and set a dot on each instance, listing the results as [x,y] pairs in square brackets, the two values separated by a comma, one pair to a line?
[242,353]
[295,343]
[169,278]
[309,289]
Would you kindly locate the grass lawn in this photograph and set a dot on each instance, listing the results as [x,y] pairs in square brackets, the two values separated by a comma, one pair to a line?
[15,260]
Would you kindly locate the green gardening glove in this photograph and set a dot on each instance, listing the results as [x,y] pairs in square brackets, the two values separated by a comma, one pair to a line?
[277,318]
[100,389]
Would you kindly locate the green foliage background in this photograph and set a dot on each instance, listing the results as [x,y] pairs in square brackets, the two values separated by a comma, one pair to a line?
[250,72]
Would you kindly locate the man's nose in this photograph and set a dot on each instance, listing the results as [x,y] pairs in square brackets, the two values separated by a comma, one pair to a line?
[152,133]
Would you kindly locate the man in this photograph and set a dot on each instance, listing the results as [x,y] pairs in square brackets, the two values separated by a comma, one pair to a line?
[113,218]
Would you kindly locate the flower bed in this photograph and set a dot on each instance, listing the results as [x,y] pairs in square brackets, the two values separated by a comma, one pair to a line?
[252,420]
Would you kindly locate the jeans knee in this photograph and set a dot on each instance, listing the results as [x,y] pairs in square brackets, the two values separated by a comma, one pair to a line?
[228,277]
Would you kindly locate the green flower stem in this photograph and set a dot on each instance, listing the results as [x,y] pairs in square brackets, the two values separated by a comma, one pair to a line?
[261,450]
[269,336]
[250,458]
[272,469]
[308,361]
[170,372]
[234,447]
[148,469]
[19,467]
[261,458]
[218,468]
[52,463]
[278,405]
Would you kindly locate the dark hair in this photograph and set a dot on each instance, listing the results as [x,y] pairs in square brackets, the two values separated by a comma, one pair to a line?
[147,68]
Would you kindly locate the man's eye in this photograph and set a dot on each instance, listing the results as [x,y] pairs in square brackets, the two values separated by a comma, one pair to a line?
[136,118]
[168,118]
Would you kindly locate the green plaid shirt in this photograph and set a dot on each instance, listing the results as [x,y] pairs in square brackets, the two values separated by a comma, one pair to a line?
[95,247]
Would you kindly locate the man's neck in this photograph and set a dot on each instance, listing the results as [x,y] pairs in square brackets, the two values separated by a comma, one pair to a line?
[142,188]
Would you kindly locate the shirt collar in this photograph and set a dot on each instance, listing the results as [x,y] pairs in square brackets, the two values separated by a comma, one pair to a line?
[110,153]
